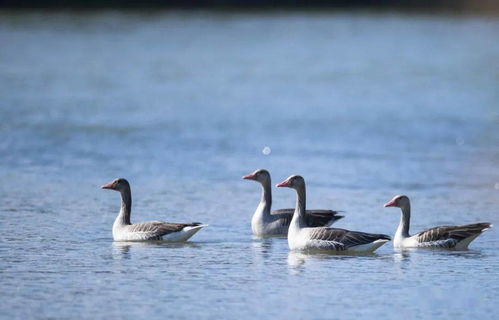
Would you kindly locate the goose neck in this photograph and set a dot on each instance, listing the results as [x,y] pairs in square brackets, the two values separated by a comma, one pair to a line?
[266,194]
[405,220]
[301,200]
[126,207]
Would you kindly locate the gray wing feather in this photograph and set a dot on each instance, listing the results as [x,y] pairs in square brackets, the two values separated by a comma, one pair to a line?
[280,223]
[155,230]
[449,236]
[314,217]
[346,238]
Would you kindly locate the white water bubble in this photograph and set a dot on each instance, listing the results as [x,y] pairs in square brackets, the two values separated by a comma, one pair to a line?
[496,186]
[266,150]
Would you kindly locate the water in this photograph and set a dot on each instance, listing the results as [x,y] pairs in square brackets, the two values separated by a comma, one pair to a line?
[363,105]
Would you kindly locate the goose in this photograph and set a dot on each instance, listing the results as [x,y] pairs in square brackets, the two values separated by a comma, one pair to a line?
[303,237]
[267,223]
[444,237]
[124,230]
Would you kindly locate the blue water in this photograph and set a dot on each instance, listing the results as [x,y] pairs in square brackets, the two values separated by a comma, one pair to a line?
[363,105]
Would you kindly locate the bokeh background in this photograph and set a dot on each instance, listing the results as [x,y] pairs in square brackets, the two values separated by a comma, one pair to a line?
[365,101]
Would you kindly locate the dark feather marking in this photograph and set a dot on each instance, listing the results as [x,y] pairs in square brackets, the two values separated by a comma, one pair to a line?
[457,233]
[313,218]
[346,238]
[157,229]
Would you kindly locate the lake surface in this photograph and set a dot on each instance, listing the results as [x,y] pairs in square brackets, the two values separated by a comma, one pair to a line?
[363,105]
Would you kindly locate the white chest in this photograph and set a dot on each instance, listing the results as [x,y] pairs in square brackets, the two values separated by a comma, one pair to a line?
[297,237]
[399,241]
[261,223]
[257,221]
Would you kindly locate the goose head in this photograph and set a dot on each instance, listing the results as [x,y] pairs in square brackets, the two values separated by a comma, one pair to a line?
[260,175]
[399,201]
[119,184]
[294,182]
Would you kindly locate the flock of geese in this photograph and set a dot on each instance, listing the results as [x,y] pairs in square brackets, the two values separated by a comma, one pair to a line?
[305,229]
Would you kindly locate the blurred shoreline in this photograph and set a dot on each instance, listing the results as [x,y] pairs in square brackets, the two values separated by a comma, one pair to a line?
[444,6]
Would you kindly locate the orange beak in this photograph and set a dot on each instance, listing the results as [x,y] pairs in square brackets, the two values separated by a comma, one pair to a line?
[285,183]
[250,176]
[107,186]
[391,203]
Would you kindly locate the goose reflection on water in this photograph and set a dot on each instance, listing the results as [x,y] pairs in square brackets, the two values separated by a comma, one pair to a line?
[409,258]
[122,249]
[262,248]
[297,259]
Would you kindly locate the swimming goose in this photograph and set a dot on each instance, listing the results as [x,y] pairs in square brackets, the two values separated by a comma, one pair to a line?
[445,237]
[266,222]
[124,230]
[302,237]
